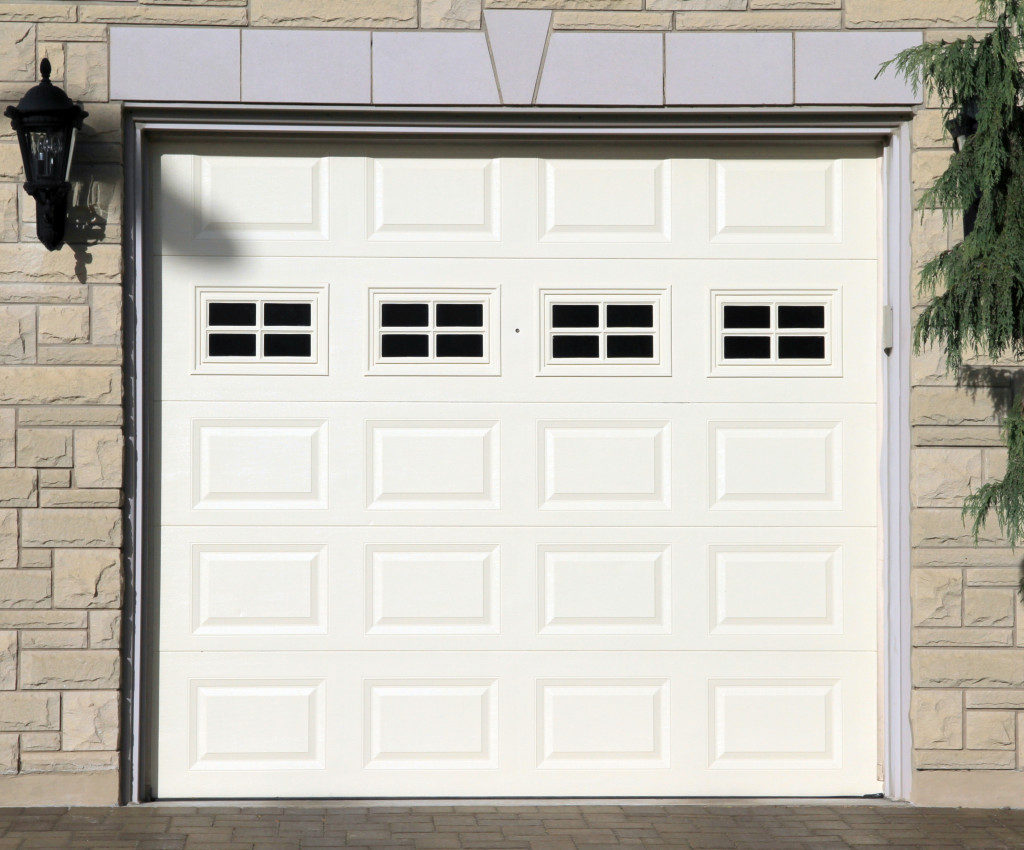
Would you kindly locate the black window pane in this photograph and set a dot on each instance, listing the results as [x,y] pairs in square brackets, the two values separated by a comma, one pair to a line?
[748,348]
[796,316]
[288,315]
[404,316]
[459,315]
[575,316]
[630,346]
[801,348]
[404,345]
[232,345]
[287,345]
[630,315]
[747,316]
[231,313]
[574,346]
[459,345]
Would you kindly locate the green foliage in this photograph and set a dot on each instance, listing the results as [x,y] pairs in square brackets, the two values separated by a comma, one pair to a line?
[975,289]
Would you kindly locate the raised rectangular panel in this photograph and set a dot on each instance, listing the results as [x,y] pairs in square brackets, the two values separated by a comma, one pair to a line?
[603,723]
[435,199]
[772,200]
[776,590]
[604,465]
[432,465]
[604,589]
[256,725]
[431,724]
[432,589]
[254,197]
[775,465]
[258,589]
[612,200]
[775,724]
[243,464]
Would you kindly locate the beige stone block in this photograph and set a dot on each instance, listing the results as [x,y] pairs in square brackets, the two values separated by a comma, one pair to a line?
[89,720]
[1004,698]
[795,20]
[78,355]
[698,5]
[66,323]
[18,488]
[104,125]
[131,13]
[450,14]
[34,742]
[30,262]
[8,538]
[942,477]
[87,578]
[8,753]
[8,454]
[80,762]
[8,660]
[929,129]
[75,415]
[45,447]
[74,497]
[35,559]
[947,527]
[620,21]
[937,597]
[963,637]
[73,32]
[104,629]
[60,385]
[29,712]
[54,478]
[87,71]
[936,718]
[964,759]
[17,334]
[55,53]
[948,406]
[946,435]
[927,166]
[568,5]
[10,161]
[41,618]
[929,235]
[334,13]
[71,527]
[106,314]
[992,577]
[796,4]
[994,464]
[43,293]
[968,668]
[986,606]
[9,212]
[70,669]
[25,588]
[990,730]
[17,51]
[99,457]
[37,12]
[54,639]
[911,14]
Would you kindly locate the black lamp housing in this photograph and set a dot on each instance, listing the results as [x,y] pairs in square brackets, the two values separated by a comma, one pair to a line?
[47,121]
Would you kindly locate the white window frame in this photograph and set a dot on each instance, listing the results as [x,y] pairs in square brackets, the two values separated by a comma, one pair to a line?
[488,296]
[315,364]
[659,364]
[829,366]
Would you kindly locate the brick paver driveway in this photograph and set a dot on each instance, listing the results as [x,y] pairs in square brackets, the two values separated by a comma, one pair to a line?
[529,827]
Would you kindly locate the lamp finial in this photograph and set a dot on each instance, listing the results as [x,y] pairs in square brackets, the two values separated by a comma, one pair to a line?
[44,69]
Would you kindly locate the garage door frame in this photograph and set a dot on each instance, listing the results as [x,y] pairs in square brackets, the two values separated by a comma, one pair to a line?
[145,124]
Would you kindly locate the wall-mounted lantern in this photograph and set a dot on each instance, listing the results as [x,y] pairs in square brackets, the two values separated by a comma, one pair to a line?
[961,127]
[46,121]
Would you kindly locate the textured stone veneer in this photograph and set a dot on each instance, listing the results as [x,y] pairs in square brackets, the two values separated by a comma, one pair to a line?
[61,331]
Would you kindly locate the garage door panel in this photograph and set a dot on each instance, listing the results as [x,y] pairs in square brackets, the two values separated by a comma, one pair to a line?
[346,295]
[494,723]
[521,588]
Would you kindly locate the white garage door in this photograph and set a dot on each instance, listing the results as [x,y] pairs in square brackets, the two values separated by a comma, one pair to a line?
[517,470]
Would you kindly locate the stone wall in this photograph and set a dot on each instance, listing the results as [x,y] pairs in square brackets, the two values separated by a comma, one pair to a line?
[61,441]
